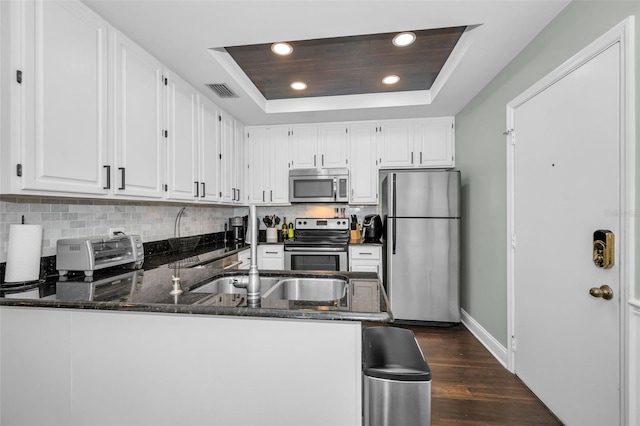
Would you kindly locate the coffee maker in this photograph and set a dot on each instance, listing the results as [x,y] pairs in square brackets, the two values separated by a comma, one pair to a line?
[238,226]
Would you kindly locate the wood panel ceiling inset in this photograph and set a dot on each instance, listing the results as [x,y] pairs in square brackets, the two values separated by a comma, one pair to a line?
[351,65]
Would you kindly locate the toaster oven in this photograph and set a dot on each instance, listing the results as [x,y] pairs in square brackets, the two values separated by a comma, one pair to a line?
[92,254]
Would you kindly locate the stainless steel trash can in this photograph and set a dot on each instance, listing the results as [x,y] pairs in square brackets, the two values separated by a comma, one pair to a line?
[396,379]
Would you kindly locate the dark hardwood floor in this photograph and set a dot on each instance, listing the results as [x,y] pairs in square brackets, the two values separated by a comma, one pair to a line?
[470,387]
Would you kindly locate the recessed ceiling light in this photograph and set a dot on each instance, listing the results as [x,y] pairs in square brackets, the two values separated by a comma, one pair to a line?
[391,79]
[298,85]
[404,39]
[282,49]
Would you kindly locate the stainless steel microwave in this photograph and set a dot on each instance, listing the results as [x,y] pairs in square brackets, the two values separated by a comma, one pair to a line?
[319,186]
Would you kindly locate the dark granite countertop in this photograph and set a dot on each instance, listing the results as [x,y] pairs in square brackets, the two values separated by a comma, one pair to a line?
[148,290]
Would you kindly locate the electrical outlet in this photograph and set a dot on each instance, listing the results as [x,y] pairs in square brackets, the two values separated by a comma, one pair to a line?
[114,231]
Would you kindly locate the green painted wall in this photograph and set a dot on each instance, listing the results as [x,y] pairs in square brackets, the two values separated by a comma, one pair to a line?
[481,152]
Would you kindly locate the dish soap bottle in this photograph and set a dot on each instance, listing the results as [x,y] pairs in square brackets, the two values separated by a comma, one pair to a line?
[291,230]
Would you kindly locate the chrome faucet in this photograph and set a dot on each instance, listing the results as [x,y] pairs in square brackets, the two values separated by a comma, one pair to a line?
[253,284]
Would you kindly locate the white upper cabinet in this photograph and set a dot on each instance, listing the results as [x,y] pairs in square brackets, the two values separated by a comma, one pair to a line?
[139,143]
[395,143]
[363,170]
[229,159]
[257,149]
[182,141]
[323,146]
[279,167]
[63,144]
[209,151]
[334,145]
[303,146]
[239,164]
[268,172]
[427,142]
[434,142]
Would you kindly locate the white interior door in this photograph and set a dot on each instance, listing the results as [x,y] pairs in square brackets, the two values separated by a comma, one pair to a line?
[566,186]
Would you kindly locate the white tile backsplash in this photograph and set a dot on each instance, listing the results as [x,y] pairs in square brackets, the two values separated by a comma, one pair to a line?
[71,218]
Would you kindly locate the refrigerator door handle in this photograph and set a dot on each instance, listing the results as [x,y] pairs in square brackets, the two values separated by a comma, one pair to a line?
[393,216]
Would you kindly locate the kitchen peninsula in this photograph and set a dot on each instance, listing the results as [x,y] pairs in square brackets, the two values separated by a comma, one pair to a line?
[137,354]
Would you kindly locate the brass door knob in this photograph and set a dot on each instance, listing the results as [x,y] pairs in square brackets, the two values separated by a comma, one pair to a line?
[604,291]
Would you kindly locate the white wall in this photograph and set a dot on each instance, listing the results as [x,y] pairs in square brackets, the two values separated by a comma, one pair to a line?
[481,153]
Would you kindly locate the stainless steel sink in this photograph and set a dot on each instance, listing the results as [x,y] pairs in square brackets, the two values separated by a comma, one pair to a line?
[225,285]
[309,289]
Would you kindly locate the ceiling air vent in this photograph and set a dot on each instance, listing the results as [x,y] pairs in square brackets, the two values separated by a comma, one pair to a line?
[222,90]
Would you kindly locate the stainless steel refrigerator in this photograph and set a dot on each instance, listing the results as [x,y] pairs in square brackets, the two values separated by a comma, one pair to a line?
[421,213]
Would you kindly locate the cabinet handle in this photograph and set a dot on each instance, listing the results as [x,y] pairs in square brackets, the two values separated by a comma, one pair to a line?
[123,177]
[420,157]
[263,196]
[314,160]
[270,252]
[108,177]
[234,194]
[238,195]
[203,191]
[271,195]
[362,252]
[322,160]
[412,158]
[197,185]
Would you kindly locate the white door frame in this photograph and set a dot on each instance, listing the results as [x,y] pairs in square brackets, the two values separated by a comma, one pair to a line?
[622,33]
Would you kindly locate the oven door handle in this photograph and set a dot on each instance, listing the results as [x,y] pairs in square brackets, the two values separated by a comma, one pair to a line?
[316,249]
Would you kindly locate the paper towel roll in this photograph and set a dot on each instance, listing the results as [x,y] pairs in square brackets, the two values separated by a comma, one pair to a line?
[23,253]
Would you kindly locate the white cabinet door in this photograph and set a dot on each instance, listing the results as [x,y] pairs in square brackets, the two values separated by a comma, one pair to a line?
[268,171]
[209,151]
[64,144]
[182,142]
[334,145]
[435,142]
[244,257]
[239,167]
[139,145]
[278,165]
[363,172]
[257,154]
[395,143]
[303,143]
[271,256]
[228,192]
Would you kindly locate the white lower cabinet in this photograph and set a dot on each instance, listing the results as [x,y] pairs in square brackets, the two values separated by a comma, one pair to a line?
[244,257]
[271,256]
[366,258]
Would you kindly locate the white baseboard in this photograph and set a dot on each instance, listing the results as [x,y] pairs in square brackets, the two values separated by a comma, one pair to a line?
[497,350]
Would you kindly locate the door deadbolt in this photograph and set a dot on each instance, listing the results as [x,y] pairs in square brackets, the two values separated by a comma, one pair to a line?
[604,291]
[603,248]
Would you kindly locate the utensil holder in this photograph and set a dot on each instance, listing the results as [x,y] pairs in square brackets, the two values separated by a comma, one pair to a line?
[272,235]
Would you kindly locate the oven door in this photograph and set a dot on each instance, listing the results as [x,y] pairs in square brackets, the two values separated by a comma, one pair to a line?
[320,260]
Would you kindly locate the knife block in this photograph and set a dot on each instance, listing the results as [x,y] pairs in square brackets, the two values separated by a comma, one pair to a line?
[356,236]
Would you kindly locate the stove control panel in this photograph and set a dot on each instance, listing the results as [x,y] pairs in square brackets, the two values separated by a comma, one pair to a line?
[315,223]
